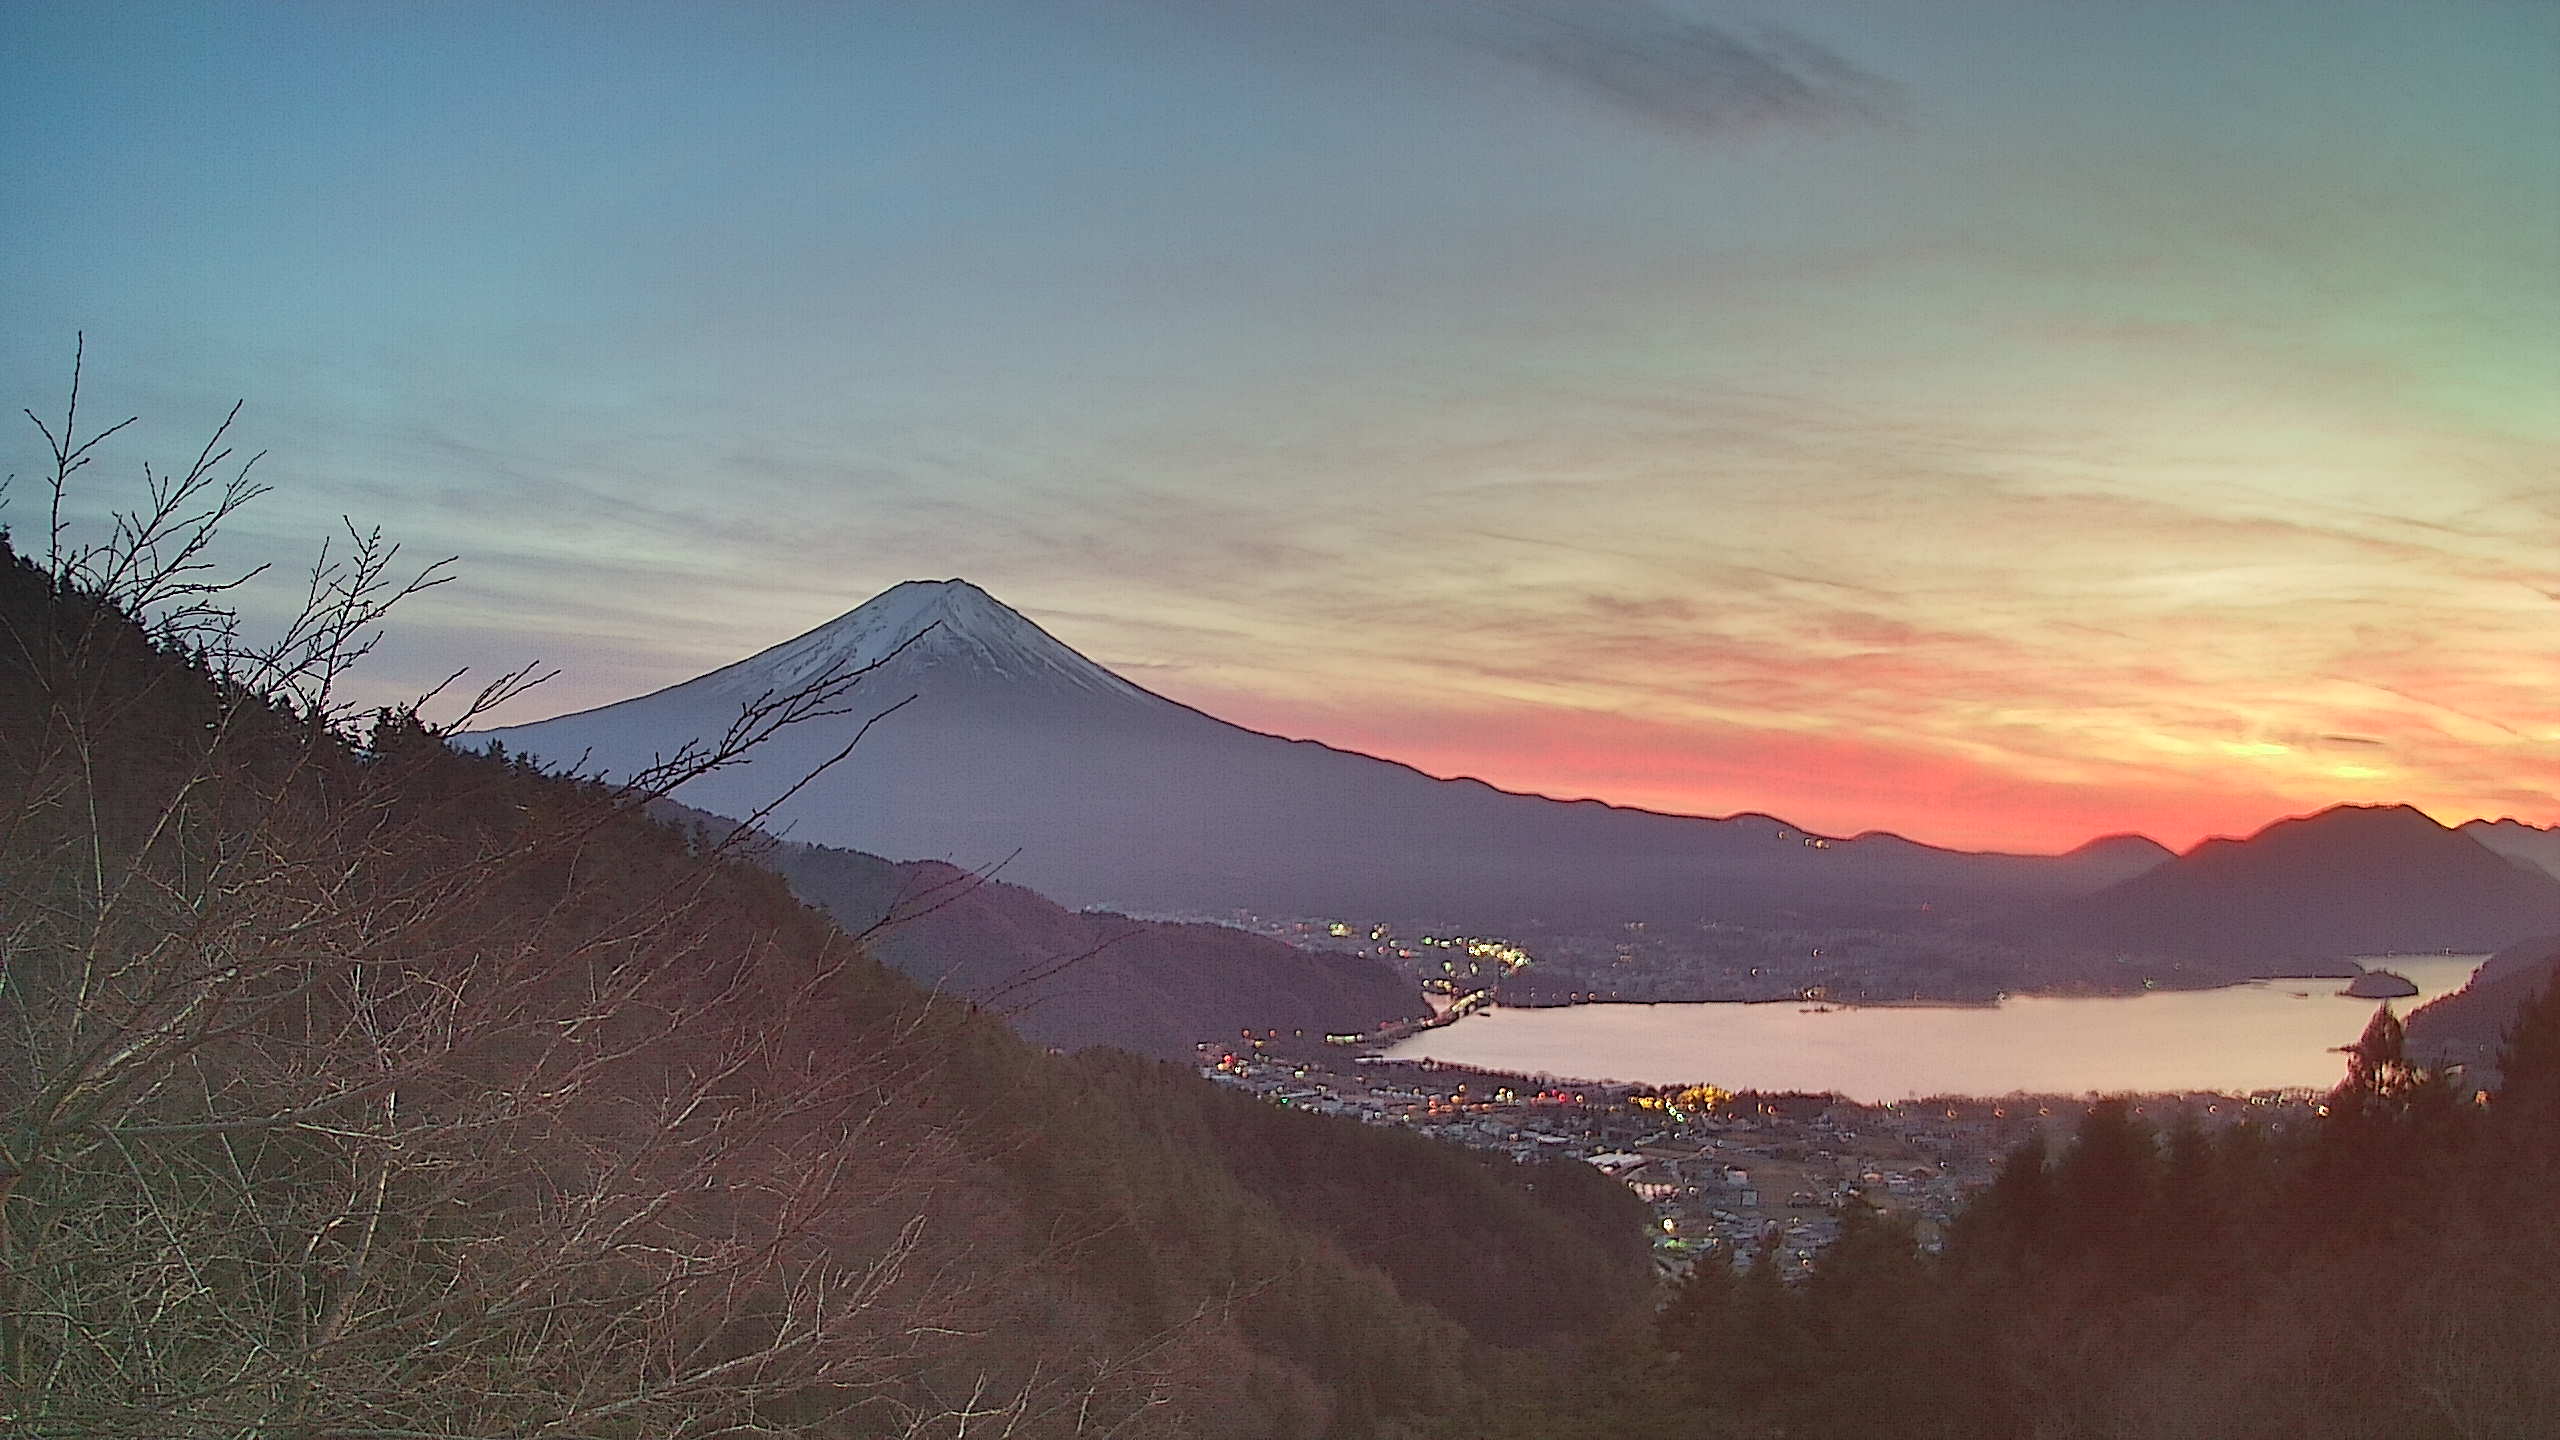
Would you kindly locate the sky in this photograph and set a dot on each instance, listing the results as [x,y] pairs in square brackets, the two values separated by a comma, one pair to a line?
[2003,424]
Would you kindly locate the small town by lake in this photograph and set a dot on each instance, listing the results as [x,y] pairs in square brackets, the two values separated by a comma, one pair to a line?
[2276,1034]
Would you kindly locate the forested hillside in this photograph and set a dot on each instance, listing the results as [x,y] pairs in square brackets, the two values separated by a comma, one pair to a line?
[2391,1270]
[352,1085]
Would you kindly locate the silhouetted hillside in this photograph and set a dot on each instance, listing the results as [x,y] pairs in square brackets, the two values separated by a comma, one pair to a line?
[352,1084]
[2353,880]
[2467,1027]
[2534,844]
[1070,979]
[2120,857]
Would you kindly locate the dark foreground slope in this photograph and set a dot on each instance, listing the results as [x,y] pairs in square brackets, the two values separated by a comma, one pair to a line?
[379,1089]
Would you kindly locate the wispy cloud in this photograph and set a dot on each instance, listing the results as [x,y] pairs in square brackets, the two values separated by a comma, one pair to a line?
[1658,63]
[1669,69]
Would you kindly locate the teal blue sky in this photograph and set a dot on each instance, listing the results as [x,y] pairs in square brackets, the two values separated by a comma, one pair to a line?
[1997,422]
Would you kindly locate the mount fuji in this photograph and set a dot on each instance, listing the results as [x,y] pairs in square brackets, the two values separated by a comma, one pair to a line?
[1011,744]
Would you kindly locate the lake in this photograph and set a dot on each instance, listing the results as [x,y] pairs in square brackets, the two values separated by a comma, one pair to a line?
[2263,1035]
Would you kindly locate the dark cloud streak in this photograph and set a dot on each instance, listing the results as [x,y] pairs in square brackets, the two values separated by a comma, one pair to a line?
[1682,74]
[1644,59]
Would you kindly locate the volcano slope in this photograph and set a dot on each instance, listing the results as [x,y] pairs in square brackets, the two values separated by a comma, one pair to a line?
[354,1085]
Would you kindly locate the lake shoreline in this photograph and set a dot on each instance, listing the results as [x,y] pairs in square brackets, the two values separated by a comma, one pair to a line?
[2271,1033]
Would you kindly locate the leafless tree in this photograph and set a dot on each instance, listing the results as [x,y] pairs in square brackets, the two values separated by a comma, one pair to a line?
[352,1089]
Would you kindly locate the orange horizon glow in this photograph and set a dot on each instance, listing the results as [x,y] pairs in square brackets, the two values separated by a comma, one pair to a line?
[1828,785]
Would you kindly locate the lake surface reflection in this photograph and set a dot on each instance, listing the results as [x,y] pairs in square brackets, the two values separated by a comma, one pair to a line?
[2265,1035]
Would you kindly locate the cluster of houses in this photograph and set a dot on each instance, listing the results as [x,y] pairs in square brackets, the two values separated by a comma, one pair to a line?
[1732,1177]
[1721,1171]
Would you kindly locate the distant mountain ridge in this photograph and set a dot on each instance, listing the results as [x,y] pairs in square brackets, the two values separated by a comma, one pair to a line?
[2536,845]
[2350,880]
[2469,1026]
[1106,793]
[1069,979]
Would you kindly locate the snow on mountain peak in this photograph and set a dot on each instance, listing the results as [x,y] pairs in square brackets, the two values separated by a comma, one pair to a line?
[944,626]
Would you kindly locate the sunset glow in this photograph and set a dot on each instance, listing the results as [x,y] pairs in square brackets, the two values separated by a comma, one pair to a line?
[2004,434]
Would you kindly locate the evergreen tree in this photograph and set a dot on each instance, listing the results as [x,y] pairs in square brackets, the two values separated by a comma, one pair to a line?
[1879,1321]
[2528,1098]
[2380,1076]
[2010,1222]
[1692,1321]
[2192,1218]
[2103,1189]
[2524,1115]
[2248,1168]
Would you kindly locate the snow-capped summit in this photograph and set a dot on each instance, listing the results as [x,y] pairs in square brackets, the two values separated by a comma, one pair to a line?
[985,738]
[948,627]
